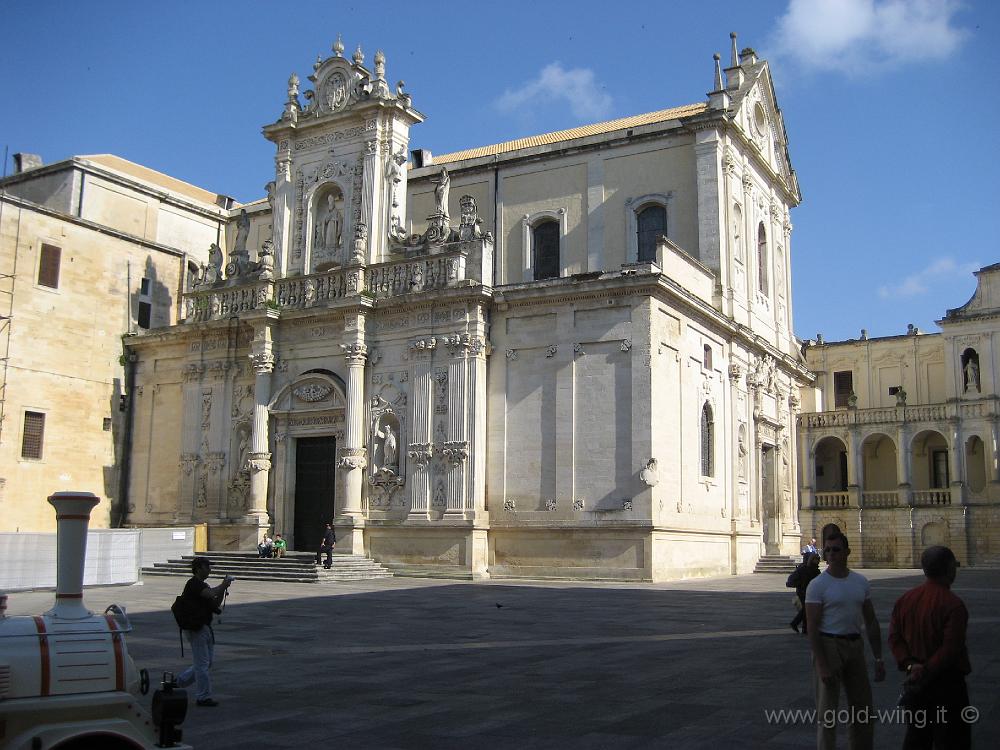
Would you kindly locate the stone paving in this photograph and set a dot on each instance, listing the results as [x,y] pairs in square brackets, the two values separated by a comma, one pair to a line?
[404,663]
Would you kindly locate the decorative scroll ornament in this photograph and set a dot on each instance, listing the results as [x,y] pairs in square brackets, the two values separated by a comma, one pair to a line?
[312,392]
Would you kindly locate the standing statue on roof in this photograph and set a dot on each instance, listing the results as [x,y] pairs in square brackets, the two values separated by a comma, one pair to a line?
[443,183]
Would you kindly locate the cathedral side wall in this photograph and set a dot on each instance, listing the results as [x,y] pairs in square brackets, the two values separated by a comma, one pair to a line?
[65,347]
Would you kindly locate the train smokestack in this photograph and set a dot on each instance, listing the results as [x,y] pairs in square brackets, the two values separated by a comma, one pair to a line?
[72,518]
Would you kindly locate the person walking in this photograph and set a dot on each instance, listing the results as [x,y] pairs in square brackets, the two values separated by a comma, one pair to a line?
[206,601]
[327,545]
[927,638]
[804,574]
[836,602]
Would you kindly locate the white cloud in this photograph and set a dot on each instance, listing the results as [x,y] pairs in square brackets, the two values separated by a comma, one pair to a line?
[576,87]
[921,282]
[865,36]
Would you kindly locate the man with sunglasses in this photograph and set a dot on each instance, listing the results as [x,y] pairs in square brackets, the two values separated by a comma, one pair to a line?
[838,601]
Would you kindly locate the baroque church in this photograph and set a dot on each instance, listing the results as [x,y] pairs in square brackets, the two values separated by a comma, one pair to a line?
[569,355]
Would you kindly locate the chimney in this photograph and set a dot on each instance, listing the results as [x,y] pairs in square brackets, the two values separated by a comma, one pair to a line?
[72,518]
[24,162]
[422,158]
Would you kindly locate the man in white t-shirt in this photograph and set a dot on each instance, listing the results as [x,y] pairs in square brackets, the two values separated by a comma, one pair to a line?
[838,601]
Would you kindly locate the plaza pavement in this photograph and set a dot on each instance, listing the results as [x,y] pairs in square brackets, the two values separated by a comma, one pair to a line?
[404,663]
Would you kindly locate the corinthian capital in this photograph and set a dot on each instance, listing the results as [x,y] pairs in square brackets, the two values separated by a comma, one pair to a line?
[354,353]
[262,362]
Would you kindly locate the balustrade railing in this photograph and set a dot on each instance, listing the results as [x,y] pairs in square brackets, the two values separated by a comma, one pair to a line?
[831,499]
[932,497]
[430,272]
[892,415]
[880,499]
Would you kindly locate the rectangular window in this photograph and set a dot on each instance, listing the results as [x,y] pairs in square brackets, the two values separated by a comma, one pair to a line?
[939,470]
[843,387]
[33,434]
[48,266]
[145,312]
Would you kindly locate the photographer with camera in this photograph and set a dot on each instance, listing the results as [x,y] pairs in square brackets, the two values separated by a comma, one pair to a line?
[194,610]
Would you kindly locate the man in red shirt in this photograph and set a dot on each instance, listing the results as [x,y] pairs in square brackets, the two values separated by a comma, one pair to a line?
[927,637]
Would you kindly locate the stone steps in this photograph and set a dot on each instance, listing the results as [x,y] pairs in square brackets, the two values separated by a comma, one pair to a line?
[776,564]
[402,570]
[295,567]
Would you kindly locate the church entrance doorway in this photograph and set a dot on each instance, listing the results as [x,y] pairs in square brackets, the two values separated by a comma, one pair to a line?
[315,485]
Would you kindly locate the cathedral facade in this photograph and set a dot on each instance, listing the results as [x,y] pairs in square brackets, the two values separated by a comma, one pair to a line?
[564,356]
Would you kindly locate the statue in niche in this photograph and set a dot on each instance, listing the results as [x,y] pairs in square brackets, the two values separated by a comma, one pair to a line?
[390,453]
[443,186]
[971,374]
[329,227]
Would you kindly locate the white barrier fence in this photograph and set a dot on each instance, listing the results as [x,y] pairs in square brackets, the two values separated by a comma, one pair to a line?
[114,556]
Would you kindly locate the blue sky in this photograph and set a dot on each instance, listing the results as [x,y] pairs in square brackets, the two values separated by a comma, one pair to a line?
[891,107]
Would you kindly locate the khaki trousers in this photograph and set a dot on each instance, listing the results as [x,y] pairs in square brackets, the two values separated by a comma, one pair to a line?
[846,660]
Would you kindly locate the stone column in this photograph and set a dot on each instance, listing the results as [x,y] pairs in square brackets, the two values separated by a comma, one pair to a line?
[903,463]
[353,456]
[992,452]
[259,459]
[457,445]
[420,450]
[281,209]
[954,463]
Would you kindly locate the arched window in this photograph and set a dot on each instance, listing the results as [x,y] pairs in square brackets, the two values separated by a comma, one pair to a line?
[651,223]
[706,359]
[707,442]
[545,249]
[761,258]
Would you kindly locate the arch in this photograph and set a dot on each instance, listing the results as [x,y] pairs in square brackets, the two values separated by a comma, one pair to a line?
[528,224]
[929,468]
[707,441]
[830,458]
[878,463]
[762,278]
[976,469]
[316,390]
[634,208]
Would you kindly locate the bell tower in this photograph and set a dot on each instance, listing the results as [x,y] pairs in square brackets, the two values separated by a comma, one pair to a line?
[339,192]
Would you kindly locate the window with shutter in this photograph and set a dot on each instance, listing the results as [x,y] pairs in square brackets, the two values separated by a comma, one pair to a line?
[545,242]
[48,266]
[761,258]
[32,435]
[652,223]
[843,387]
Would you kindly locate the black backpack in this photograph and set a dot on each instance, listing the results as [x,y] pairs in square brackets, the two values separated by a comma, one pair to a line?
[189,615]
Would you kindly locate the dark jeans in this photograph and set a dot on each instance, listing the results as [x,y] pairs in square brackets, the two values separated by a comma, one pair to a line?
[937,720]
[329,554]
[800,617]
